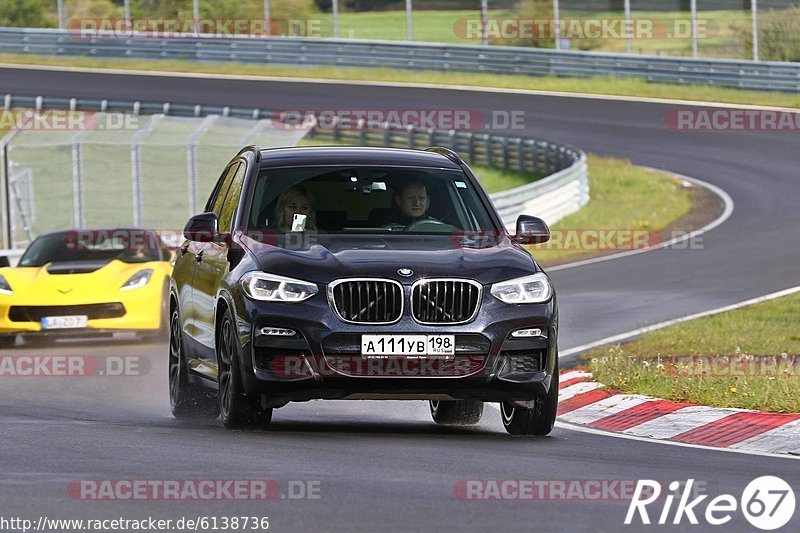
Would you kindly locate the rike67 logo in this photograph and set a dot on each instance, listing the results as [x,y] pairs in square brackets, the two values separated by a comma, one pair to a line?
[767,502]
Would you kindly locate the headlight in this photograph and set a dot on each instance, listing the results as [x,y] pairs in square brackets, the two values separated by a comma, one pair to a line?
[272,288]
[5,288]
[139,279]
[528,290]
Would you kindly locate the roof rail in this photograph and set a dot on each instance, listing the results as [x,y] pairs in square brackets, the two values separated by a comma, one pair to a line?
[252,148]
[447,152]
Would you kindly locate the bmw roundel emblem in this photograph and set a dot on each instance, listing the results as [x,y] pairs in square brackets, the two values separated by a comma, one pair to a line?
[405,272]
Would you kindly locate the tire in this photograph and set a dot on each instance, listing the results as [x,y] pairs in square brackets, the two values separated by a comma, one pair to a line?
[456,413]
[8,341]
[186,399]
[237,409]
[536,421]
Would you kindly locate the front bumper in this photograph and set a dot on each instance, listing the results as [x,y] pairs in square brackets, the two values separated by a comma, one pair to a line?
[139,311]
[322,360]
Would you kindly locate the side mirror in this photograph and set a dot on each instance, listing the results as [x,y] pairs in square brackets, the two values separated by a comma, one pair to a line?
[4,262]
[202,228]
[531,230]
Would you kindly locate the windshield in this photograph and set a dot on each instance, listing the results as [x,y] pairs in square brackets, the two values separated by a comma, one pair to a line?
[94,246]
[360,200]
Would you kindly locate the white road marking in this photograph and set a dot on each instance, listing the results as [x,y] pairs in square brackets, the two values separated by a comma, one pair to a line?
[680,421]
[783,439]
[578,388]
[583,429]
[574,374]
[605,407]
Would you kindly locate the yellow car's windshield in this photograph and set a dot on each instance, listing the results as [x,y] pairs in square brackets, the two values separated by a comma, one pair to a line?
[96,246]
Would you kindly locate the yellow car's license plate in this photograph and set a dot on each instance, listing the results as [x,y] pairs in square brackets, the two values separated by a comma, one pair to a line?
[64,322]
[410,345]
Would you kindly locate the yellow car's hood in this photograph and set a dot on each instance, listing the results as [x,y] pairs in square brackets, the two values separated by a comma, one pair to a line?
[73,284]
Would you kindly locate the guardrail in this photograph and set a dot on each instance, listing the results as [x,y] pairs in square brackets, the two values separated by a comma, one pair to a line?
[764,75]
[560,171]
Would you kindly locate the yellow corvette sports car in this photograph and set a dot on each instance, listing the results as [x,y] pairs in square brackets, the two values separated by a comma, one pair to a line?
[86,282]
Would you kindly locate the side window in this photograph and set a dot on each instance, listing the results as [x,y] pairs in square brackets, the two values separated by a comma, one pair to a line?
[232,200]
[215,202]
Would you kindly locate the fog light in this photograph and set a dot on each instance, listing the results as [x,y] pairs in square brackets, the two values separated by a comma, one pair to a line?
[277,332]
[532,332]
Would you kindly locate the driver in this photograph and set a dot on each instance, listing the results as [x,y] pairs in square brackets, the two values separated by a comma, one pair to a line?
[413,201]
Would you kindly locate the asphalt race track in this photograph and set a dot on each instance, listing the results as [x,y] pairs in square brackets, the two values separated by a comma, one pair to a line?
[386,466]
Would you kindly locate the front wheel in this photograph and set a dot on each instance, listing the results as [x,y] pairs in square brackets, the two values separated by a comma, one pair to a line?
[456,413]
[238,410]
[536,421]
[186,399]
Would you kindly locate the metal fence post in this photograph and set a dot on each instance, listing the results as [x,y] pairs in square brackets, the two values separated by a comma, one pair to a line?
[556,24]
[77,182]
[693,7]
[60,9]
[196,15]
[409,21]
[136,167]
[628,27]
[484,22]
[754,9]
[335,18]
[5,190]
[267,21]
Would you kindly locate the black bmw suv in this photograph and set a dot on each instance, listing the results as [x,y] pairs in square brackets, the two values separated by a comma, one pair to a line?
[360,273]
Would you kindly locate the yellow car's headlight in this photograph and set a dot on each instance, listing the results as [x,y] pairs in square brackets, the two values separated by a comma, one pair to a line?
[140,279]
[5,288]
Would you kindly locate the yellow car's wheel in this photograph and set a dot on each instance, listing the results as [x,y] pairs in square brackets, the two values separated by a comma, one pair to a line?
[8,341]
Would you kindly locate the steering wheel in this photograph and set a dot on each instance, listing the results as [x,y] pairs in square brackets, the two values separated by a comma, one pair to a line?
[395,226]
[436,225]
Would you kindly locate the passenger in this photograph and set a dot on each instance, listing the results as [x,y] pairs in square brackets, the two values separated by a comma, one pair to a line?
[296,201]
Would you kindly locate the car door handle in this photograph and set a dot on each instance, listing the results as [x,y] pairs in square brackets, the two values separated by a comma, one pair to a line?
[199,256]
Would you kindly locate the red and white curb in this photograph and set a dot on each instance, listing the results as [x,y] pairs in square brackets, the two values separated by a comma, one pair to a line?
[585,402]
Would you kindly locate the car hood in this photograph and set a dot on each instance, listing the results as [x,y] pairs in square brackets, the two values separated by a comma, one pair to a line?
[69,283]
[327,258]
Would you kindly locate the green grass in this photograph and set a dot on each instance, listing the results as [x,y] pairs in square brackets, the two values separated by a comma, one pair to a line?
[722,38]
[749,378]
[623,197]
[605,86]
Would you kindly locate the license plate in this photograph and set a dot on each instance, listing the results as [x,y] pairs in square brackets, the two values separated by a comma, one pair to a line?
[64,322]
[409,345]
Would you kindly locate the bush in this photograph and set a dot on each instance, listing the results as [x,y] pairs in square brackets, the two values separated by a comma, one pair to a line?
[91,9]
[28,14]
[281,12]
[778,35]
